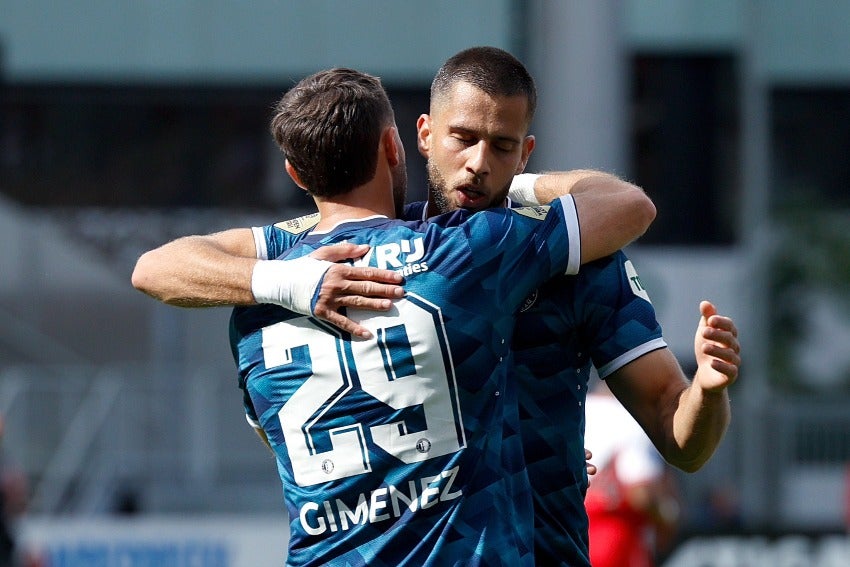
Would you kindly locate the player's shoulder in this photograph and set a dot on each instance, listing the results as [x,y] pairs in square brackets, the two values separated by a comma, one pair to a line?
[604,277]
[300,224]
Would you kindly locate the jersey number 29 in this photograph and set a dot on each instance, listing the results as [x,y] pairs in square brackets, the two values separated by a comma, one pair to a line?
[407,363]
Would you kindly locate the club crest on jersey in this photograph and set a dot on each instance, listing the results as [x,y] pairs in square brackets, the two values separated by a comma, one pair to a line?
[634,281]
[404,256]
[300,224]
[529,301]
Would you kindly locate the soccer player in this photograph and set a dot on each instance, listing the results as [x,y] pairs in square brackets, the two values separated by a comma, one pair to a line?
[392,450]
[476,139]
[601,317]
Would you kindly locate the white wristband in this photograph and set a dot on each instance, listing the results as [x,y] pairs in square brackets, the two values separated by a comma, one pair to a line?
[288,283]
[522,189]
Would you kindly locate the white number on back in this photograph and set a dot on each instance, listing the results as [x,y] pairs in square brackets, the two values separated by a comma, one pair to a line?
[406,364]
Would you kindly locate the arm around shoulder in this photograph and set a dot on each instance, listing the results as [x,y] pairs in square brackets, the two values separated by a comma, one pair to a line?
[612,214]
[612,211]
[200,271]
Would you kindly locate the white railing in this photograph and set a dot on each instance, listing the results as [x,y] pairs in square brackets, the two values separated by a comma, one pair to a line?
[85,434]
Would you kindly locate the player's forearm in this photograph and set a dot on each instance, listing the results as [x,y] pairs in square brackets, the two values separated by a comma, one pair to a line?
[195,272]
[543,188]
[699,424]
[610,219]
[550,186]
[633,209]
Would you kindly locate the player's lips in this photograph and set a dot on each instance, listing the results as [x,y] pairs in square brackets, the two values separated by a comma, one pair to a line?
[469,196]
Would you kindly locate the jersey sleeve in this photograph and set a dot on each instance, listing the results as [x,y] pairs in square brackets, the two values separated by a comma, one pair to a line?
[273,240]
[617,313]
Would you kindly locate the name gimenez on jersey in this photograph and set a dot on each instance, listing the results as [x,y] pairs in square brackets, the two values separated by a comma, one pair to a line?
[379,505]
[404,257]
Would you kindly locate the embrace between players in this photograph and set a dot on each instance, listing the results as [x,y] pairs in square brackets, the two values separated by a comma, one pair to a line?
[437,417]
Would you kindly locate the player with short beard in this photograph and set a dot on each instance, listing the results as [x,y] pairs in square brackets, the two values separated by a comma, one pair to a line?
[602,317]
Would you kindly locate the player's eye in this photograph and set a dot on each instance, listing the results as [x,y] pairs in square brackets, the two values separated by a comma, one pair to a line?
[464,139]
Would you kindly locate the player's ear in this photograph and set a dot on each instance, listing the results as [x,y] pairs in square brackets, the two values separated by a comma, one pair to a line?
[423,134]
[527,148]
[392,146]
[293,174]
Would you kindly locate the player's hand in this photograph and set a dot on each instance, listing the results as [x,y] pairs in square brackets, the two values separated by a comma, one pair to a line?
[591,468]
[717,350]
[366,288]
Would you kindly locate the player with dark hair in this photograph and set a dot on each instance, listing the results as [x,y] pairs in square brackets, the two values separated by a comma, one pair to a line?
[392,450]
[477,144]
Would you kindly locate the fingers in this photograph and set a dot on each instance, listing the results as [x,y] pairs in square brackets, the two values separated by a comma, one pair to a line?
[357,294]
[358,273]
[591,468]
[728,369]
[717,348]
[721,331]
[720,343]
[722,354]
[707,309]
[342,281]
[340,252]
[356,287]
[338,320]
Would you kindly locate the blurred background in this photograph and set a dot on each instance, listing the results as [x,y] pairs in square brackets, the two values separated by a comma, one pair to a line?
[126,124]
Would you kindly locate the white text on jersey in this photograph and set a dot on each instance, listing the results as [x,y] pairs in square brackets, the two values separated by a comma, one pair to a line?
[404,257]
[379,505]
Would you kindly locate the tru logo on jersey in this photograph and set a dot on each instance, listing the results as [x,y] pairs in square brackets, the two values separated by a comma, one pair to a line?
[404,257]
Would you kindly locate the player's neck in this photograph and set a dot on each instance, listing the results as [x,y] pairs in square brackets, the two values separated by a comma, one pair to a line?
[362,202]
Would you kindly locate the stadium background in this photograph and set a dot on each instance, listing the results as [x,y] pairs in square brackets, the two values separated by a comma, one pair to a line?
[125,124]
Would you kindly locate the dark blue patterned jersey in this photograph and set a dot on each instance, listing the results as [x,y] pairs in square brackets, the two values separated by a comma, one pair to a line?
[392,451]
[600,318]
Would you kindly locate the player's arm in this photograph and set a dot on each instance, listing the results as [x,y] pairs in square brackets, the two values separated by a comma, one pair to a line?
[685,420]
[540,188]
[200,271]
[223,269]
[612,218]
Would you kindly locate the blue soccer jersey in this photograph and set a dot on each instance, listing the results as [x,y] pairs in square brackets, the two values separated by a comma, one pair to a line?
[392,451]
[600,317]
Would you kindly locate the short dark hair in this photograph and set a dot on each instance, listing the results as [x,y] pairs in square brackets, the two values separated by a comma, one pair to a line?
[493,70]
[329,126]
